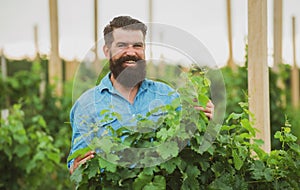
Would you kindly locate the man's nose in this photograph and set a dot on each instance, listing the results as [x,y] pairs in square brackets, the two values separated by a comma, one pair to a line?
[130,50]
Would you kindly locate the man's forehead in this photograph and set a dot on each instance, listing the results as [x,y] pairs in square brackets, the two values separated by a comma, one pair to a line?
[121,35]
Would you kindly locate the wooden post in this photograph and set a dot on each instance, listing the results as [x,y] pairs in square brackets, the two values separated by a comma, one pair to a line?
[277,20]
[230,61]
[161,68]
[42,85]
[4,112]
[71,68]
[4,75]
[258,74]
[150,9]
[96,31]
[36,42]
[3,66]
[295,72]
[55,64]
[162,63]
[277,34]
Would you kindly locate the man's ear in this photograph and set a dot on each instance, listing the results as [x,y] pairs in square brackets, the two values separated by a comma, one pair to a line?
[106,51]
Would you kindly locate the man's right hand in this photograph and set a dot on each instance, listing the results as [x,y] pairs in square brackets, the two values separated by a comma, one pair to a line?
[81,160]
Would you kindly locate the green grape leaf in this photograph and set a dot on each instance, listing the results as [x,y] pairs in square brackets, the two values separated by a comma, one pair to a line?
[107,165]
[168,149]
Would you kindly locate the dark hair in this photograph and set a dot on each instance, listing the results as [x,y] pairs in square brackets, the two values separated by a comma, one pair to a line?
[125,22]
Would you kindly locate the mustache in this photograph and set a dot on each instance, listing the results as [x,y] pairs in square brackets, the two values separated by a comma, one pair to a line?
[128,58]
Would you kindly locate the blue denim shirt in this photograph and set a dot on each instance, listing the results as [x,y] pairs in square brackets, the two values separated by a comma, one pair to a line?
[93,110]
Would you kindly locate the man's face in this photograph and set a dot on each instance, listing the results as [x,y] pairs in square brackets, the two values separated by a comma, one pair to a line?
[127,57]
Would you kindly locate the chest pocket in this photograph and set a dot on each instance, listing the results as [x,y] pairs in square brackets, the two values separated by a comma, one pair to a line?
[157,115]
[104,128]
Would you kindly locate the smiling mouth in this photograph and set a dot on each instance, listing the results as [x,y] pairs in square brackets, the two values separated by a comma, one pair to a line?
[129,63]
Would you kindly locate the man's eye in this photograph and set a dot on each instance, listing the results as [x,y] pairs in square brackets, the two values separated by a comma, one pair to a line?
[138,45]
[121,45]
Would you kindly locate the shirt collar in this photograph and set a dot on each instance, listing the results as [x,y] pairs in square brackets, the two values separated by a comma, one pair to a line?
[146,84]
[106,84]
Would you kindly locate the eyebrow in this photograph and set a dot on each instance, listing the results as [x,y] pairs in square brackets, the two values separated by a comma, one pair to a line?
[130,42]
[127,43]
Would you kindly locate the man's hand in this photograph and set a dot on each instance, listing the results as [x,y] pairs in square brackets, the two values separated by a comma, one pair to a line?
[208,111]
[81,160]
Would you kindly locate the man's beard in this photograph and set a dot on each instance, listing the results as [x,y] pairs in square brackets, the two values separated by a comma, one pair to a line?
[128,76]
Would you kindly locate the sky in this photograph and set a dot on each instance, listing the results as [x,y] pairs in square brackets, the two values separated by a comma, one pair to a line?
[205,20]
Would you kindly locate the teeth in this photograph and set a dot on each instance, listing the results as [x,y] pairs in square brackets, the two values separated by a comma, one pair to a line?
[130,62]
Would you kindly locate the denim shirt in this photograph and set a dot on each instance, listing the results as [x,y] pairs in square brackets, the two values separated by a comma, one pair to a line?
[93,111]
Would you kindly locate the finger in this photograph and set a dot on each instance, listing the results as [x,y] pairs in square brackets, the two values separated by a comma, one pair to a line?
[86,155]
[200,108]
[89,153]
[210,104]
[207,111]
[78,163]
[209,115]
[79,160]
[86,159]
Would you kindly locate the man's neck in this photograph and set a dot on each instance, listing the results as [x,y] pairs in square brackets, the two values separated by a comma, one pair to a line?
[128,93]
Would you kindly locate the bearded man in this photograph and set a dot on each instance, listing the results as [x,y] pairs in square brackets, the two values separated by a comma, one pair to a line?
[124,89]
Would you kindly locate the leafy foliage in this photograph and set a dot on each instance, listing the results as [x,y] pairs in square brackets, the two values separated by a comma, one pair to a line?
[34,140]
[233,161]
[28,153]
[280,109]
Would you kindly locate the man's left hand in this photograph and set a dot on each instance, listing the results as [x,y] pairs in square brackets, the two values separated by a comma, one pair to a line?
[208,110]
